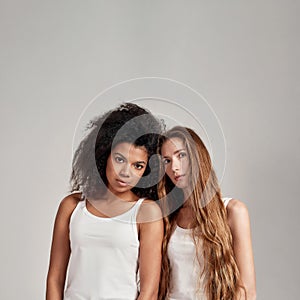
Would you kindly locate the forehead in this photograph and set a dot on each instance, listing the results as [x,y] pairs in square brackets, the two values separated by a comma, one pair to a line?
[172,145]
[131,152]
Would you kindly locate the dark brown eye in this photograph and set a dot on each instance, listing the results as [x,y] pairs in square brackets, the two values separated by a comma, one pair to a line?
[166,161]
[119,159]
[139,166]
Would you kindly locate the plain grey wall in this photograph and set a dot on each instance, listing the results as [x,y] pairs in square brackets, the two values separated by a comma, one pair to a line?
[241,55]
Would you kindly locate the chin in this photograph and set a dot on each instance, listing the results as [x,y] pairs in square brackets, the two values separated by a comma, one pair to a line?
[180,185]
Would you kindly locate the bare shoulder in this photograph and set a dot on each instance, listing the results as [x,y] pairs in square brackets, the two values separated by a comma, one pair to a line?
[237,213]
[149,212]
[236,206]
[68,204]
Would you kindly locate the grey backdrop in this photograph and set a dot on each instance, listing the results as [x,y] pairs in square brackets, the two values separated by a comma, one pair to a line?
[241,55]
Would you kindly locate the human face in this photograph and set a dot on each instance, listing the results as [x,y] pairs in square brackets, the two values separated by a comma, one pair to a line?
[176,161]
[125,166]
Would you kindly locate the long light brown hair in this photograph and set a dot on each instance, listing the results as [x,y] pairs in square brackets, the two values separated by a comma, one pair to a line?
[211,232]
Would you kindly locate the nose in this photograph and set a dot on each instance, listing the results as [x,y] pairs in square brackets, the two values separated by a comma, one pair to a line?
[125,170]
[175,165]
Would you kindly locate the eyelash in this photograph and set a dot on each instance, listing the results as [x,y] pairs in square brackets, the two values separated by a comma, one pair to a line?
[180,155]
[166,161]
[121,160]
[138,166]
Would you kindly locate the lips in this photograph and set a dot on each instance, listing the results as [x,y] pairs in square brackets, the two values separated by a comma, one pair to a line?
[122,183]
[178,177]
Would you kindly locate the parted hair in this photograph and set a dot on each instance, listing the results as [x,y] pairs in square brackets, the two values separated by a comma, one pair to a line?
[126,123]
[211,233]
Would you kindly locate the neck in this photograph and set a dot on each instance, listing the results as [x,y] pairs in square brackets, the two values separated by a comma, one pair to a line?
[187,197]
[187,203]
[111,197]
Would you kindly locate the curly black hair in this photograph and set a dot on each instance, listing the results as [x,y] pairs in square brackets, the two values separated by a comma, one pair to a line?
[126,123]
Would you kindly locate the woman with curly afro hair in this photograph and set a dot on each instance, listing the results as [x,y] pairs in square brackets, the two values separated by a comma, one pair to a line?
[108,232]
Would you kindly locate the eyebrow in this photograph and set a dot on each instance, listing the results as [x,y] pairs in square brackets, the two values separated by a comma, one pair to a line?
[137,162]
[118,153]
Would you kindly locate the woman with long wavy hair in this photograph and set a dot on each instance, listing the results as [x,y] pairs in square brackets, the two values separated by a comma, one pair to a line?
[207,249]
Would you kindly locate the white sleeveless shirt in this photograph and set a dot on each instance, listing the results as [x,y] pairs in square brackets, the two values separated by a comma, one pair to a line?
[185,269]
[104,256]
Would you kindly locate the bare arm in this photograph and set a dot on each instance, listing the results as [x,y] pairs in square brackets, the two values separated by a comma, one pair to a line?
[151,236]
[239,223]
[60,249]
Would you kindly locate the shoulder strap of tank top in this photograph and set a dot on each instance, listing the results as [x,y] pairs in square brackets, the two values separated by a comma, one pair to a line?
[137,206]
[79,205]
[226,201]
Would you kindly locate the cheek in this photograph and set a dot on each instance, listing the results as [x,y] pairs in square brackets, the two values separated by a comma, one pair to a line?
[112,168]
[186,164]
[168,170]
[135,177]
[138,173]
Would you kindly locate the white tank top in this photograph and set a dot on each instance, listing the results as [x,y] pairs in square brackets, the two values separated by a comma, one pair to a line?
[104,256]
[185,269]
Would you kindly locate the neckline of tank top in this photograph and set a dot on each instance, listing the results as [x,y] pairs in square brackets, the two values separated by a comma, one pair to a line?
[179,228]
[109,218]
